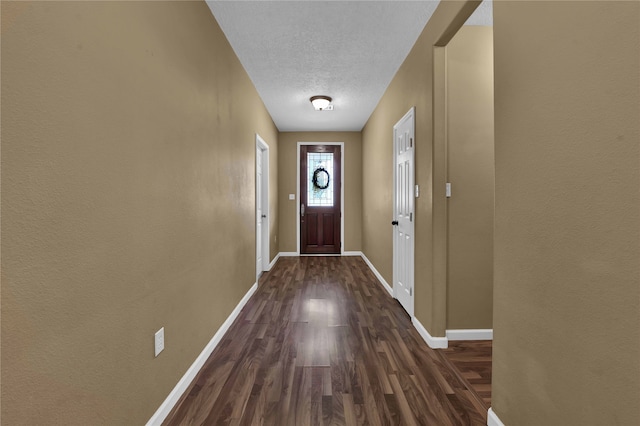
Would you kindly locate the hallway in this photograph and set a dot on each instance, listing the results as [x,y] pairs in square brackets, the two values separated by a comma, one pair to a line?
[129,215]
[321,343]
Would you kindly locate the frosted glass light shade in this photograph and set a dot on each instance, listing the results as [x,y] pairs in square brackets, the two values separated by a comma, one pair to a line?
[320,102]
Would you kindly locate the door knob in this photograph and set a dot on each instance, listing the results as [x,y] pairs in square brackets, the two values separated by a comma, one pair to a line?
[394,222]
[264,216]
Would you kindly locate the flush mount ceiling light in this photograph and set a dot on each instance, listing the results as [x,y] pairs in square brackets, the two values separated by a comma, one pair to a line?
[321,103]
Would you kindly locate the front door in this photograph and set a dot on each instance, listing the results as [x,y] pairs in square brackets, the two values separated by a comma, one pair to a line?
[320,185]
[403,209]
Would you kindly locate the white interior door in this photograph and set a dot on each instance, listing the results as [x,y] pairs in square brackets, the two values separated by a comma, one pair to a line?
[403,208]
[259,214]
[262,206]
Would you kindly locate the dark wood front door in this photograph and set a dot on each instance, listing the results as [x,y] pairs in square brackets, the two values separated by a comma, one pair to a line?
[320,185]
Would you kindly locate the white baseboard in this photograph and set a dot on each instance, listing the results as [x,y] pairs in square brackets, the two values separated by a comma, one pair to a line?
[492,418]
[473,334]
[294,254]
[433,342]
[163,411]
[378,275]
[288,254]
[273,262]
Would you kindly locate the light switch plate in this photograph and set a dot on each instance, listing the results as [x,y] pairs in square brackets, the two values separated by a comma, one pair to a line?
[292,196]
[159,341]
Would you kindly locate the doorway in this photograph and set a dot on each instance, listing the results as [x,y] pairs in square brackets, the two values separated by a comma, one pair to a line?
[470,170]
[463,182]
[320,195]
[262,206]
[403,210]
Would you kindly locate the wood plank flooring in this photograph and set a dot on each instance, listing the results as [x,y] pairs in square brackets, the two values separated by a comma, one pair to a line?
[472,360]
[322,343]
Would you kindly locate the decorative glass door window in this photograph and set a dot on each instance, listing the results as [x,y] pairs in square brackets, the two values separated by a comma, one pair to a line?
[320,179]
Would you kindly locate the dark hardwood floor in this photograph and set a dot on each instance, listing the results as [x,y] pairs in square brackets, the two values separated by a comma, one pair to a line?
[472,360]
[322,343]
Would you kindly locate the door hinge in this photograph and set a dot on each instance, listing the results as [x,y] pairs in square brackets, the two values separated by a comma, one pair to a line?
[448,190]
[410,217]
[411,142]
[411,292]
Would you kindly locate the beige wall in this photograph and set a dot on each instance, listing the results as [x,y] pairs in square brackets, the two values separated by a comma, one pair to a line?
[567,278]
[352,180]
[470,167]
[411,86]
[128,173]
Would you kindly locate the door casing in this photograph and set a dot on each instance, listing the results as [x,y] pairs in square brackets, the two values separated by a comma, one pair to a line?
[262,240]
[341,144]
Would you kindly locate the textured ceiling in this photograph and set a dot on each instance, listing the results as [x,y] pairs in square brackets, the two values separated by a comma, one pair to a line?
[349,50]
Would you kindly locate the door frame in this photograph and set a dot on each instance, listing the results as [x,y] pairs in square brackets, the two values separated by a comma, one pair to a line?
[411,114]
[342,242]
[264,186]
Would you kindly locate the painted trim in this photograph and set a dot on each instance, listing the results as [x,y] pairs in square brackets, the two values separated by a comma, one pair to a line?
[165,408]
[288,254]
[341,144]
[433,342]
[493,419]
[378,275]
[473,334]
[273,262]
[263,149]
[294,254]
